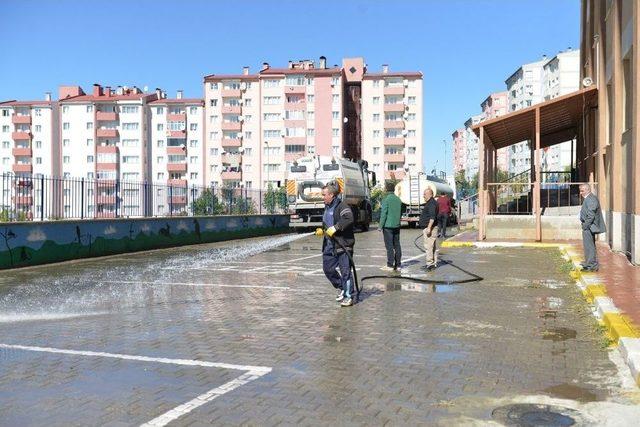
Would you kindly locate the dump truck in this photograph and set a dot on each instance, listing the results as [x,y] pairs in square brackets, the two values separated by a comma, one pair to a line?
[410,190]
[307,175]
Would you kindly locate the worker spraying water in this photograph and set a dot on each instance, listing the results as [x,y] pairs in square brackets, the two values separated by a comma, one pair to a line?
[337,245]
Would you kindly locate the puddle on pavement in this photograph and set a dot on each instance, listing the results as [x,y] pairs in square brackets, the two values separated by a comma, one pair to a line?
[570,391]
[558,334]
[414,287]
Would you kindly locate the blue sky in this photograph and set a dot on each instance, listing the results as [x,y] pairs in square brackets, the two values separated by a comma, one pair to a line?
[465,48]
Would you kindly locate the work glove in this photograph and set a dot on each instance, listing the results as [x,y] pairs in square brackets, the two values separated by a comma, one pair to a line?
[331,231]
[319,232]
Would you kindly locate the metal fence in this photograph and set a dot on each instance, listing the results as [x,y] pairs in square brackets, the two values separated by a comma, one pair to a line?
[42,198]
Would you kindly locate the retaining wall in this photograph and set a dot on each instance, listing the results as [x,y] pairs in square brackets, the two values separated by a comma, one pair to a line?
[32,243]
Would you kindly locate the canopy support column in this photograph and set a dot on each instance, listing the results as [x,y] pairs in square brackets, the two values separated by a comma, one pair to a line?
[482,199]
[536,182]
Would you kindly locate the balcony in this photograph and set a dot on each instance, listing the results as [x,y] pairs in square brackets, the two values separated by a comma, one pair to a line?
[394,90]
[21,152]
[231,159]
[396,174]
[394,124]
[295,89]
[235,176]
[106,200]
[177,167]
[231,142]
[231,109]
[394,158]
[230,93]
[106,149]
[295,140]
[106,166]
[22,168]
[181,134]
[177,183]
[18,119]
[394,141]
[394,108]
[290,157]
[178,200]
[180,117]
[180,151]
[106,116]
[231,126]
[107,133]
[106,183]
[20,135]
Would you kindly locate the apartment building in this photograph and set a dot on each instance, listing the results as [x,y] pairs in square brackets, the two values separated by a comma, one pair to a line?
[471,146]
[257,125]
[28,148]
[176,152]
[103,136]
[496,105]
[459,151]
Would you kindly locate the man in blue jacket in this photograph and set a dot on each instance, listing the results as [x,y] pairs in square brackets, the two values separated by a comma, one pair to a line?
[390,213]
[337,221]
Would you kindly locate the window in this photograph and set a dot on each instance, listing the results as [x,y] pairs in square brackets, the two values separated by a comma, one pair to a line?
[66,159]
[272,151]
[311,115]
[247,135]
[335,99]
[271,83]
[130,142]
[89,159]
[160,127]
[38,128]
[271,117]
[376,117]
[247,168]
[376,150]
[271,100]
[131,126]
[160,176]
[411,100]
[412,150]
[294,80]
[65,109]
[160,159]
[65,142]
[271,133]
[5,160]
[213,86]
[294,132]
[193,126]
[193,159]
[193,110]
[213,136]
[309,81]
[411,117]
[376,134]
[213,119]
[129,109]
[247,118]
[247,102]
[5,128]
[411,133]
[213,151]
[5,113]
[310,98]
[376,100]
[311,132]
[336,149]
[89,125]
[38,144]
[194,175]
[193,143]
[247,151]
[335,81]
[160,143]
[159,110]
[89,142]
[376,83]
[130,176]
[335,132]
[213,102]
[38,160]
[66,126]
[335,115]
[131,159]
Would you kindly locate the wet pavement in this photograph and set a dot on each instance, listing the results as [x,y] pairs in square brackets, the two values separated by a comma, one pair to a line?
[230,334]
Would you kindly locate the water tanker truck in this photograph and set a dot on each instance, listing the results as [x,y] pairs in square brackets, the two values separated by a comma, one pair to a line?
[307,175]
[410,191]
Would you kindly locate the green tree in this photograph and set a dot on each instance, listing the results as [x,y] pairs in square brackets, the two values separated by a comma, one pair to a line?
[281,199]
[207,204]
[270,199]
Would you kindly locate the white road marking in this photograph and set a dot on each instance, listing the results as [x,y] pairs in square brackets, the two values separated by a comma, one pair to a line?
[299,259]
[253,373]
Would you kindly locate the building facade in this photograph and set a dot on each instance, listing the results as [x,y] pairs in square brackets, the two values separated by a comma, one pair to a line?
[496,105]
[261,123]
[609,156]
[459,151]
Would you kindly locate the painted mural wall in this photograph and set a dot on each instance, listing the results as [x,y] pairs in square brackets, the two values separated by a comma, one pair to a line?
[26,244]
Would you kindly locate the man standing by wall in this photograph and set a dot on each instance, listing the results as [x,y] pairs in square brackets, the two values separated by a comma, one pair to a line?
[428,222]
[390,212]
[338,224]
[444,209]
[592,224]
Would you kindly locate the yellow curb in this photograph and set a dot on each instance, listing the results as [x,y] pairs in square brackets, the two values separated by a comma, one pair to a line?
[448,244]
[618,326]
[594,291]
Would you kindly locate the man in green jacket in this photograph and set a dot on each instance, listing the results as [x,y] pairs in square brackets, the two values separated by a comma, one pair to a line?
[390,226]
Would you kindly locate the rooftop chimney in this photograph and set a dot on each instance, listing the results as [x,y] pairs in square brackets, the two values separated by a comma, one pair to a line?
[97,89]
[158,93]
[179,94]
[265,66]
[323,63]
[290,64]
[47,96]
[245,70]
[107,90]
[385,68]
[119,90]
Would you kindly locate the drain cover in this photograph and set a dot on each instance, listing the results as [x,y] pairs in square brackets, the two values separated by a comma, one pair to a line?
[530,415]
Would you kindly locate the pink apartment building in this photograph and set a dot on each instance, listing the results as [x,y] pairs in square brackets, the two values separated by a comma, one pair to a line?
[496,105]
[459,150]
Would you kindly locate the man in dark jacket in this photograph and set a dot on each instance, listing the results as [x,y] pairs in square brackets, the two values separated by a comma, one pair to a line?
[390,212]
[444,209]
[429,223]
[337,221]
[592,224]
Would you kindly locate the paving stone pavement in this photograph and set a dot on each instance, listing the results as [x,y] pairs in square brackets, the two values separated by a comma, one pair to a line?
[398,357]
